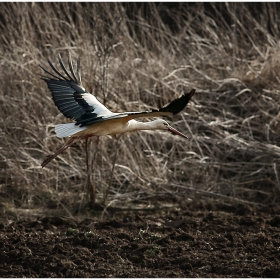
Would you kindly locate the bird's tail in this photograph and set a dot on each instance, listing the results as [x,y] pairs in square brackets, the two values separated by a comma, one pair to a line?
[65,130]
[68,129]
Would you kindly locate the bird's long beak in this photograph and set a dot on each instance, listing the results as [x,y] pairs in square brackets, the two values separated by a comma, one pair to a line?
[175,131]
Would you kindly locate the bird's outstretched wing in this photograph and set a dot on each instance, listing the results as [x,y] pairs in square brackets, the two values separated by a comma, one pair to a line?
[173,108]
[74,102]
[70,97]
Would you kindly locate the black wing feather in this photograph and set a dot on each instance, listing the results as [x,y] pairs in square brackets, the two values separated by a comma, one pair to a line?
[67,92]
[55,70]
[64,69]
[71,67]
[177,105]
[48,73]
[79,70]
[173,108]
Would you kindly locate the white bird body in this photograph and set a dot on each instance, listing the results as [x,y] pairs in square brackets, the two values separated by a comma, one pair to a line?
[93,118]
[111,127]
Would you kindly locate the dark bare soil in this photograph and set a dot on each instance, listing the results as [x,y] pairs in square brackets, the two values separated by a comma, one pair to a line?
[241,242]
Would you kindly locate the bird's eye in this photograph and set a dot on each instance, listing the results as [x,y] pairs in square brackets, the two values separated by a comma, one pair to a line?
[165,124]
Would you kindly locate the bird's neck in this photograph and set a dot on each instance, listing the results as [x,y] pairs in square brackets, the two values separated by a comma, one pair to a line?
[135,125]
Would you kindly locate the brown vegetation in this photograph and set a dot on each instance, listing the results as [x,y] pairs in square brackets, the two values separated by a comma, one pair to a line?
[137,57]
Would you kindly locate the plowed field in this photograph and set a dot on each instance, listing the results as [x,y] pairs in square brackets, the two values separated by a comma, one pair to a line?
[185,243]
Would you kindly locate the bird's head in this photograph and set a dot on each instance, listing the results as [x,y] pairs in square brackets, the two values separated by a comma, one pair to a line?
[163,125]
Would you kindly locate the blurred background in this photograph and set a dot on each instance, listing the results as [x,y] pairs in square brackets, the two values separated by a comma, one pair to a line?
[139,56]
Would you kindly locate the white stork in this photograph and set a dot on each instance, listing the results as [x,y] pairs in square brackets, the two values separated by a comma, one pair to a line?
[93,118]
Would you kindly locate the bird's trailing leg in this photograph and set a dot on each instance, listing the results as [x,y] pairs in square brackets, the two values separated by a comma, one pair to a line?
[69,143]
[90,185]
[106,191]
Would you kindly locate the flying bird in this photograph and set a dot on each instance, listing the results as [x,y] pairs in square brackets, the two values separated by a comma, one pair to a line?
[91,117]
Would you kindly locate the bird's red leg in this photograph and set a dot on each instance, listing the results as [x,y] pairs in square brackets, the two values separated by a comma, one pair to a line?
[69,143]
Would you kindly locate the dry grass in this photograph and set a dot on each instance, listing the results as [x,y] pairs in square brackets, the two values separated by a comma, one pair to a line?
[136,57]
